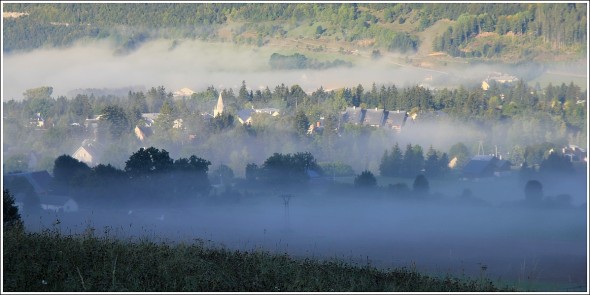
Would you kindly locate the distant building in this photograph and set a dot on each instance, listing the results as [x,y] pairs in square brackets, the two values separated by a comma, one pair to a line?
[142,132]
[499,78]
[149,118]
[483,166]
[218,110]
[183,92]
[88,153]
[379,118]
[575,153]
[245,115]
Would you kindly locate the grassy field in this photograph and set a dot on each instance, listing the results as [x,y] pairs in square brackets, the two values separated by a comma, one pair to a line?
[52,262]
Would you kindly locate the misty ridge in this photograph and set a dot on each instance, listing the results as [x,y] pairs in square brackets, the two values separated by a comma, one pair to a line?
[197,65]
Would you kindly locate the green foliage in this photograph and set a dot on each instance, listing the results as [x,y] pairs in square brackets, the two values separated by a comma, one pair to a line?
[43,92]
[10,215]
[116,120]
[337,169]
[299,61]
[148,161]
[404,42]
[252,172]
[222,175]
[421,185]
[288,170]
[69,171]
[461,152]
[223,121]
[301,123]
[365,180]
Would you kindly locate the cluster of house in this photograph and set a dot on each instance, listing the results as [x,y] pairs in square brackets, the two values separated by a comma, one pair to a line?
[380,118]
[498,78]
[575,153]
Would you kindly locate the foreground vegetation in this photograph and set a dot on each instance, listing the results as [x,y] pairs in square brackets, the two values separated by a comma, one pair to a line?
[49,261]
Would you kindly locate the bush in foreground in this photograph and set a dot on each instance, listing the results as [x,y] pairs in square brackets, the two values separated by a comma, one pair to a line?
[51,262]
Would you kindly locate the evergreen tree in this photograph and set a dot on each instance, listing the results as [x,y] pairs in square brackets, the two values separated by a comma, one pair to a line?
[301,123]
[432,164]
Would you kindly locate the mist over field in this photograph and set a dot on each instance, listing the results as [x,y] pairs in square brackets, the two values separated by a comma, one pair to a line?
[196,65]
[447,235]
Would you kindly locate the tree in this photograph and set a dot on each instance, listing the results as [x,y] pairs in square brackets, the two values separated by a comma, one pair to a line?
[413,161]
[165,119]
[432,164]
[223,174]
[319,31]
[252,172]
[148,161]
[461,152]
[533,191]
[243,94]
[68,170]
[81,107]
[10,215]
[116,120]
[365,180]
[43,92]
[421,185]
[223,121]
[301,123]
[556,163]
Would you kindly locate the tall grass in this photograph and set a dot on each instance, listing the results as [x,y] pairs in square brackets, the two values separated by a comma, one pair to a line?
[49,261]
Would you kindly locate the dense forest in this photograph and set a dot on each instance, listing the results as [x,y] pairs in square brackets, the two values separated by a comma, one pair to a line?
[476,30]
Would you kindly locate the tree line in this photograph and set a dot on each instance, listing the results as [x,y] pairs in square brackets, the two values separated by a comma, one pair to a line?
[525,115]
[560,25]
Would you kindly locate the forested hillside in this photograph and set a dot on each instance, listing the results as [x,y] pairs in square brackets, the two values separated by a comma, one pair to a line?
[491,31]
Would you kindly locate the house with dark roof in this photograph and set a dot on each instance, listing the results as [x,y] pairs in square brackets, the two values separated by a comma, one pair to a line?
[480,166]
[380,118]
[39,180]
[395,120]
[352,115]
[245,116]
[374,117]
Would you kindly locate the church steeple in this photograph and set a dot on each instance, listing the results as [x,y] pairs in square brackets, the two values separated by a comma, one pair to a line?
[218,110]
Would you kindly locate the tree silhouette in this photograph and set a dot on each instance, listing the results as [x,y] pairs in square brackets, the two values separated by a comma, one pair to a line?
[533,191]
[421,185]
[10,215]
[148,161]
[365,180]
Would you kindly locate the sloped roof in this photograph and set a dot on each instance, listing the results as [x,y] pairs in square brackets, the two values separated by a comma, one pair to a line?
[396,118]
[502,165]
[480,166]
[40,180]
[353,115]
[147,131]
[374,117]
[245,114]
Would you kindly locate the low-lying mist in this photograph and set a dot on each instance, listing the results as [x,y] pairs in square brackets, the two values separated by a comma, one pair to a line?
[491,233]
[197,64]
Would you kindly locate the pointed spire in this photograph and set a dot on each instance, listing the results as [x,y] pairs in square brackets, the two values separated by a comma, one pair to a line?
[218,110]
